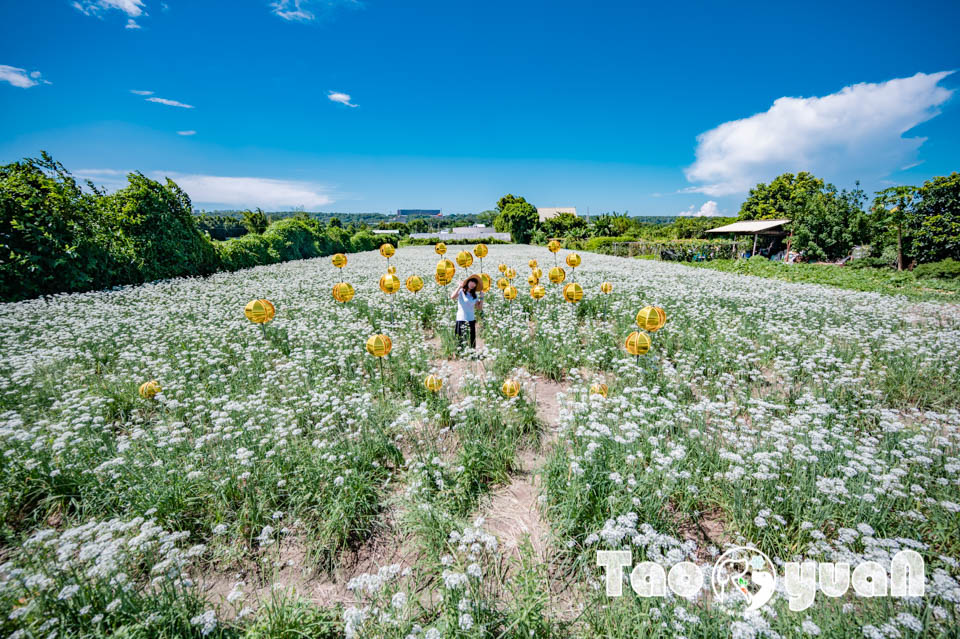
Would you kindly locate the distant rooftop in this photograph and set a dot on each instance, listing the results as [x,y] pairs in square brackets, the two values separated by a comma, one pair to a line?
[546,213]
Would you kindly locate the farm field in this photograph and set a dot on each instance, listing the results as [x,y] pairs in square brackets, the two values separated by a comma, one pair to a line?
[285,483]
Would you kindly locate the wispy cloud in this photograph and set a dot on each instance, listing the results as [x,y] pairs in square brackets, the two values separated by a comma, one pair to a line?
[191,132]
[342,98]
[251,191]
[20,78]
[133,8]
[138,92]
[132,24]
[854,133]
[309,10]
[172,103]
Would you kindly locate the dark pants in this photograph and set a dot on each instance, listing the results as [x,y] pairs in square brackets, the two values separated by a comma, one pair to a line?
[461,328]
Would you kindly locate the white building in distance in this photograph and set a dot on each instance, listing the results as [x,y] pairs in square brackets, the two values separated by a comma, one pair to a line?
[549,212]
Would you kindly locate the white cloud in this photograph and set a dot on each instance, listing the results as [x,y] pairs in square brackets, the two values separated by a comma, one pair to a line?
[19,77]
[342,98]
[250,191]
[191,132]
[306,10]
[137,92]
[133,8]
[132,24]
[854,133]
[172,103]
[709,209]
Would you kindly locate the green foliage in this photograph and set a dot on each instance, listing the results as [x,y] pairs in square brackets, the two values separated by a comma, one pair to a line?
[220,227]
[519,219]
[564,225]
[245,252]
[293,239]
[507,200]
[948,269]
[781,197]
[934,221]
[255,221]
[367,241]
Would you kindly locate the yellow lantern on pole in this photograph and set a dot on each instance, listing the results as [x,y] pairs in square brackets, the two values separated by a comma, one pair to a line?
[433,383]
[342,292]
[379,345]
[637,343]
[440,248]
[503,283]
[389,283]
[464,259]
[510,273]
[480,250]
[149,390]
[573,260]
[573,292]
[553,246]
[339,260]
[391,269]
[414,283]
[599,389]
[606,287]
[445,272]
[651,318]
[387,250]
[502,268]
[510,292]
[533,280]
[532,264]
[259,311]
[557,275]
[487,282]
[510,388]
[537,272]
[537,292]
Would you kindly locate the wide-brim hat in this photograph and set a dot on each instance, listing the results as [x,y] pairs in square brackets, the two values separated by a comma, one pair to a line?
[476,278]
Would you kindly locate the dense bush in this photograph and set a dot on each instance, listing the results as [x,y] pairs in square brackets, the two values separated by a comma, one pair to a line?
[944,269]
[425,241]
[245,252]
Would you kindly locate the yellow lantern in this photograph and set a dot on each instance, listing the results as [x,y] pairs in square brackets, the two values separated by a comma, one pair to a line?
[389,283]
[414,283]
[480,250]
[537,273]
[339,260]
[606,287]
[532,264]
[637,343]
[502,268]
[148,390]
[387,250]
[510,273]
[599,389]
[464,259]
[342,292]
[573,292]
[379,345]
[510,388]
[510,292]
[391,269]
[503,283]
[259,311]
[433,383]
[533,280]
[537,292]
[651,318]
[553,246]
[573,260]
[445,272]
[487,282]
[440,248]
[557,275]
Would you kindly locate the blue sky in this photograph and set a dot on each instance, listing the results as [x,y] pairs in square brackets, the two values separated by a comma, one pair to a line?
[652,108]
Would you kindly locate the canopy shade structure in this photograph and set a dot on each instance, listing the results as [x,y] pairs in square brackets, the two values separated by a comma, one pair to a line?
[750,227]
[755,228]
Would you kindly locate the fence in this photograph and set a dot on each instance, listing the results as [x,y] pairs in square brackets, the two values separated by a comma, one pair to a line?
[678,250]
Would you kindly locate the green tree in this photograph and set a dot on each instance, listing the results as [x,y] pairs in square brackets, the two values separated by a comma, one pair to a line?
[564,224]
[419,225]
[891,208]
[519,219]
[507,200]
[335,222]
[781,197]
[934,220]
[255,221]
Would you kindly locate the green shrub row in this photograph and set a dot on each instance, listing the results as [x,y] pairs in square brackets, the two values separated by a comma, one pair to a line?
[56,237]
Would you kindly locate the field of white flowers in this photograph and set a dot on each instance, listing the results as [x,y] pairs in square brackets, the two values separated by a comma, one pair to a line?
[277,467]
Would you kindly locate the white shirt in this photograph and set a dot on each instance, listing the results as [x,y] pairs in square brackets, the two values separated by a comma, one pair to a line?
[465,305]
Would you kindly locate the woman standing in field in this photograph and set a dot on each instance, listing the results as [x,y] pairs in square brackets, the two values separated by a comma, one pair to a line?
[469,297]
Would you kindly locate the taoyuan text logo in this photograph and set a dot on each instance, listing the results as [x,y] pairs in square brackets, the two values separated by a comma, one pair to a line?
[749,574]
